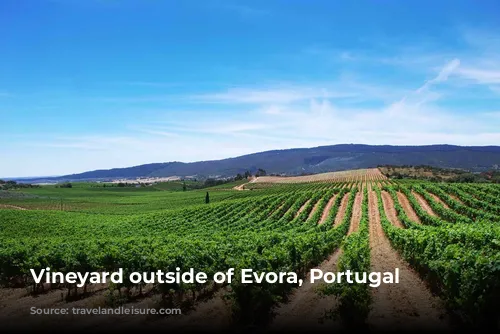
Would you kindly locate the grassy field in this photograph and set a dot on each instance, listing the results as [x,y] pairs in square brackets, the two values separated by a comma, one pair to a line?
[443,238]
[89,198]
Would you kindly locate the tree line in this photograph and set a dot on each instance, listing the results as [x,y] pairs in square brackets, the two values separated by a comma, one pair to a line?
[247,174]
[7,185]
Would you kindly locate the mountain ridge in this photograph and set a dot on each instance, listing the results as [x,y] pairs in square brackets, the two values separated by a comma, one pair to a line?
[296,161]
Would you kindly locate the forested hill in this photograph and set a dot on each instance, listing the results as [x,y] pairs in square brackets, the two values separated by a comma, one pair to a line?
[314,160]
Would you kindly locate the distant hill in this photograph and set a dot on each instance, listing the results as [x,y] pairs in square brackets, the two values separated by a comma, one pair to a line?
[310,160]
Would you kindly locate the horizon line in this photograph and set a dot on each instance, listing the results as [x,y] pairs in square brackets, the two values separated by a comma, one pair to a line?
[175,161]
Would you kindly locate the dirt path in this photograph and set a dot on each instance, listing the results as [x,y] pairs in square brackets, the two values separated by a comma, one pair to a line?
[456,198]
[306,306]
[423,203]
[389,209]
[405,203]
[341,212]
[404,305]
[302,208]
[362,175]
[315,207]
[439,200]
[327,209]
[240,187]
[8,206]
[356,212]
[378,175]
[278,208]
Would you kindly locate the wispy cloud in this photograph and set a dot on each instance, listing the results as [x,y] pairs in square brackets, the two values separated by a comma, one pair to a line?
[415,59]
[430,107]
[481,75]
[88,142]
[445,72]
[477,62]
[156,131]
[487,41]
[344,88]
[270,95]
[136,98]
[423,94]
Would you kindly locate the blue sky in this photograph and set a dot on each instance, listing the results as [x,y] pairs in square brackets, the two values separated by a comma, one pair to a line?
[100,83]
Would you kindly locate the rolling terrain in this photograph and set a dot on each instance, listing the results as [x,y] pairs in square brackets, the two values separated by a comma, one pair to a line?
[440,237]
[308,160]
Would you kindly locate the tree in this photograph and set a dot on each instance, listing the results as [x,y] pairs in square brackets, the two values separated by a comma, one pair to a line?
[238,177]
[210,182]
[247,174]
[183,186]
[260,172]
[207,198]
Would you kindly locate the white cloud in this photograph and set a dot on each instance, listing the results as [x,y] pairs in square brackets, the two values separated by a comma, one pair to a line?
[350,108]
[481,76]
[154,131]
[319,123]
[346,88]
[446,71]
[270,95]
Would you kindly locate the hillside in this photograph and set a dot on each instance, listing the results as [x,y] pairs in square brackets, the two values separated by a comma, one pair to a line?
[313,160]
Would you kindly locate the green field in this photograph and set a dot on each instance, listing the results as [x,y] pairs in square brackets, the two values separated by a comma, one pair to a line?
[89,198]
[454,246]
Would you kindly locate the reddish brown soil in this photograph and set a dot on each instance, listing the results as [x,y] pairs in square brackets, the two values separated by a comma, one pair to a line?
[278,208]
[356,212]
[302,208]
[240,187]
[327,209]
[315,207]
[350,175]
[377,174]
[423,203]
[405,203]
[456,198]
[404,305]
[306,306]
[389,209]
[439,200]
[341,212]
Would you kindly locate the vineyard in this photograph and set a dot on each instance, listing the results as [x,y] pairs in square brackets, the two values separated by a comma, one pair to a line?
[444,238]
[361,175]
